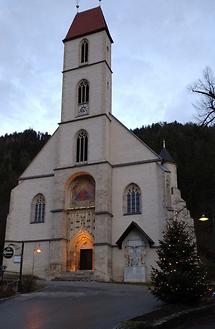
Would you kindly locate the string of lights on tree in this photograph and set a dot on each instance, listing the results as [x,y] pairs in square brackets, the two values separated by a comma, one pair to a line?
[179,276]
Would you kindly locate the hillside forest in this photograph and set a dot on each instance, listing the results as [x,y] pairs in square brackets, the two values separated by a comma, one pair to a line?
[192,147]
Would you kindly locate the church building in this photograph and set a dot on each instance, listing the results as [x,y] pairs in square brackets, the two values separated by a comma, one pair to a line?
[95,200]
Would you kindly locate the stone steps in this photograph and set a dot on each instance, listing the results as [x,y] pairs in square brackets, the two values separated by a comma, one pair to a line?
[76,276]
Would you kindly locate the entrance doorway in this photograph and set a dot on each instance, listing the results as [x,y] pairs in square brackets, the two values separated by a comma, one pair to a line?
[86,257]
[81,252]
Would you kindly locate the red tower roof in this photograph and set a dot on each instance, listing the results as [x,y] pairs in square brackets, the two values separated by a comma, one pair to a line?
[87,22]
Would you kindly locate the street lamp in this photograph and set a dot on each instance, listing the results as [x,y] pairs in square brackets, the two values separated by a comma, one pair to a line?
[36,250]
[203,218]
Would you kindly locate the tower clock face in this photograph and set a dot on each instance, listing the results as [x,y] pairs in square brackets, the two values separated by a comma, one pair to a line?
[83,109]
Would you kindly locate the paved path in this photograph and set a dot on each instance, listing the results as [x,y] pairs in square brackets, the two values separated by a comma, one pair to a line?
[206,321]
[76,305]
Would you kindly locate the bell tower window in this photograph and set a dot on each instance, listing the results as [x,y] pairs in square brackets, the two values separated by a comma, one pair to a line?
[83,92]
[84,51]
[83,97]
[82,147]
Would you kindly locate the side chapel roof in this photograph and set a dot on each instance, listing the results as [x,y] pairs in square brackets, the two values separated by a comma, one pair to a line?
[87,22]
[165,155]
[132,226]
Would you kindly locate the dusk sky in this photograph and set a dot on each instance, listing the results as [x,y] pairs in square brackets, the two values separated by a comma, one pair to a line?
[160,48]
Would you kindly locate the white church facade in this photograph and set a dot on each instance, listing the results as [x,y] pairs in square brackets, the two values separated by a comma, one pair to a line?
[96,198]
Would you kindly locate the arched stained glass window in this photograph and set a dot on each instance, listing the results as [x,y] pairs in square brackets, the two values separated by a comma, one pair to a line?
[38,209]
[84,51]
[82,146]
[133,199]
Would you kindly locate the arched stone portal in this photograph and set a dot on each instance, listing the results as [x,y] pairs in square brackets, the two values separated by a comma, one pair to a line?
[80,210]
[81,252]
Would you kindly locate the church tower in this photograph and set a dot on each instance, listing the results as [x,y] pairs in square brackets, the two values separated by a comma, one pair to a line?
[87,87]
[87,67]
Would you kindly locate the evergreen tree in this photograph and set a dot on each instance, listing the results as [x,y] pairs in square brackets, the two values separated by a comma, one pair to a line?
[180,277]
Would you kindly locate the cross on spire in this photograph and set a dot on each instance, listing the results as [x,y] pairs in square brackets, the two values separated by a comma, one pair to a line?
[77,5]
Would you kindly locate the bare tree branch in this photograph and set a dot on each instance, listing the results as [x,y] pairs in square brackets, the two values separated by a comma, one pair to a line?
[205,90]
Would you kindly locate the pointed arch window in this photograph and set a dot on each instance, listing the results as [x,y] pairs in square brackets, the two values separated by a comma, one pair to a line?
[83,97]
[132,200]
[38,209]
[84,51]
[82,147]
[83,92]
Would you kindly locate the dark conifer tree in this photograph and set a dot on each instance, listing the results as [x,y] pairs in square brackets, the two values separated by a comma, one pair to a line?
[179,276]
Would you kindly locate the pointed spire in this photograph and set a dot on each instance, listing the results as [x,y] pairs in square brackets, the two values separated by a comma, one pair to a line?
[87,22]
[165,155]
[100,2]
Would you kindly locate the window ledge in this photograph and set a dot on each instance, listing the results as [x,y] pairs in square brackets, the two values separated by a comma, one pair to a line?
[81,115]
[132,214]
[37,222]
[79,164]
[83,64]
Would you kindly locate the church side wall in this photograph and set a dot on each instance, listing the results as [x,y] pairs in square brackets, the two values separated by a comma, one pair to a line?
[149,178]
[47,235]
[19,225]
[146,176]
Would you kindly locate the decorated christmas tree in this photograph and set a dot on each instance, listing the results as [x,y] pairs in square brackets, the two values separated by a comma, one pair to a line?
[179,276]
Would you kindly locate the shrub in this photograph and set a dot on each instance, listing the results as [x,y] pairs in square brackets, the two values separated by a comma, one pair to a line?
[6,291]
[29,283]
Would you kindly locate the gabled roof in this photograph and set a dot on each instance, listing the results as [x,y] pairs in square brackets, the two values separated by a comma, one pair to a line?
[132,226]
[135,136]
[87,22]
